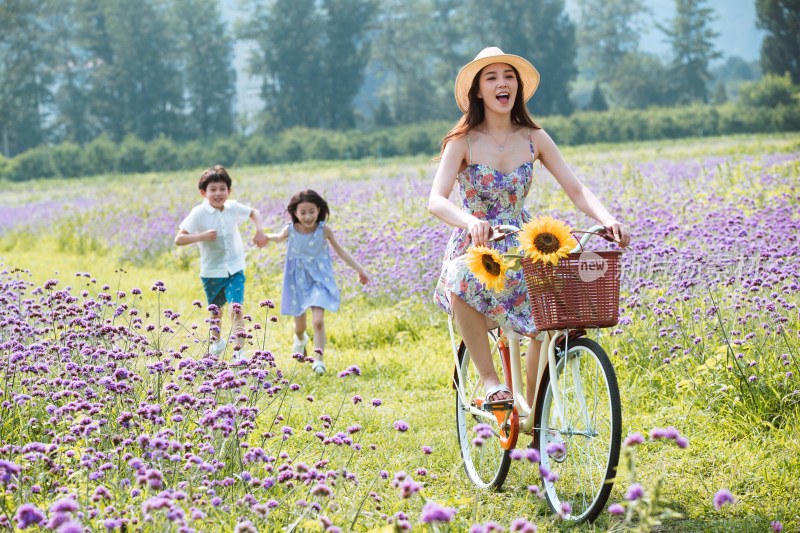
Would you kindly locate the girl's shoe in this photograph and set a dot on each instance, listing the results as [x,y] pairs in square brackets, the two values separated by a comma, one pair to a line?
[300,344]
[318,366]
[217,347]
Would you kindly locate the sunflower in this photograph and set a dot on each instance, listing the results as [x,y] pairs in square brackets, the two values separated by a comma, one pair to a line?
[488,266]
[546,239]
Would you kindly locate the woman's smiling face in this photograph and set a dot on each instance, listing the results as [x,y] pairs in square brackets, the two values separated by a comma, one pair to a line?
[498,87]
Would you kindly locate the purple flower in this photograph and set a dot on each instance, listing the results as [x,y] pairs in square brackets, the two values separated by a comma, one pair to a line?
[401,426]
[409,487]
[376,402]
[634,439]
[722,497]
[28,514]
[427,450]
[616,509]
[434,512]
[776,526]
[321,490]
[70,526]
[521,525]
[8,470]
[634,492]
[64,505]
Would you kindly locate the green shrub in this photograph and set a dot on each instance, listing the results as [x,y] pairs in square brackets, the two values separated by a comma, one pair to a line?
[194,154]
[770,91]
[132,153]
[35,163]
[162,155]
[69,160]
[100,155]
[225,152]
[6,167]
[258,150]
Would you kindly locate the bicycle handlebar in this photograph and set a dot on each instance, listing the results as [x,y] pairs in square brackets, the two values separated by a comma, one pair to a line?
[602,231]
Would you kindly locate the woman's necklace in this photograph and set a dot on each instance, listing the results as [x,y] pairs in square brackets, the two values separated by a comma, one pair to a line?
[500,145]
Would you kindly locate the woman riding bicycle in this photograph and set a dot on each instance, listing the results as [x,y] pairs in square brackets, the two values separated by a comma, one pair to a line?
[491,152]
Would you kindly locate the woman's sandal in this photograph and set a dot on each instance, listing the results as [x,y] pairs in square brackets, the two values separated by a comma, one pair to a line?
[318,366]
[490,405]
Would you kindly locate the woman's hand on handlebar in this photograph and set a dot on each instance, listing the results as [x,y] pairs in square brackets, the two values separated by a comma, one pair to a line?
[479,231]
[619,232]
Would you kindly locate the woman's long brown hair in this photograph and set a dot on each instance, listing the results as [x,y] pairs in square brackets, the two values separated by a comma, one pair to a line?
[476,113]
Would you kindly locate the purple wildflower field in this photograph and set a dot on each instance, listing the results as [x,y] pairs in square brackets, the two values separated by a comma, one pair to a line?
[114,416]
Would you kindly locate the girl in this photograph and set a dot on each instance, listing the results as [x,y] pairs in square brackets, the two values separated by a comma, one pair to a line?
[308,280]
[490,153]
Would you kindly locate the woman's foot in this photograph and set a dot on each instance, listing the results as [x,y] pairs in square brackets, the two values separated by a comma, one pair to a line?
[498,393]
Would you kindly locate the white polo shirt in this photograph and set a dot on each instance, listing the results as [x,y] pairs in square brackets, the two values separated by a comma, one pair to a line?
[225,256]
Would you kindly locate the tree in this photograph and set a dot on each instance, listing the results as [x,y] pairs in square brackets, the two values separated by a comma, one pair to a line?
[134,82]
[311,55]
[691,40]
[414,54]
[609,30]
[641,82]
[720,94]
[780,50]
[205,53]
[27,61]
[598,100]
[286,34]
[538,30]
[770,91]
[344,55]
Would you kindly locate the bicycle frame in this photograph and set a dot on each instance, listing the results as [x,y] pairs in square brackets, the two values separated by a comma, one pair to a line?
[508,344]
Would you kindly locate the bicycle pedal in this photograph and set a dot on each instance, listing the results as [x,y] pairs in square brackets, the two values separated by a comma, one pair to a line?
[498,406]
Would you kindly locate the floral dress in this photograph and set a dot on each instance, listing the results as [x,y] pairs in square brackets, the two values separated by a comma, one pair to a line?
[497,198]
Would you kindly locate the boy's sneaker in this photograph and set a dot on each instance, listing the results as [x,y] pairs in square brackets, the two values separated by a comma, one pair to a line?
[300,344]
[217,347]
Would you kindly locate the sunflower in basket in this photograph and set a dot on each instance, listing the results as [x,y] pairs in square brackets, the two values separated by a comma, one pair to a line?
[546,239]
[488,266]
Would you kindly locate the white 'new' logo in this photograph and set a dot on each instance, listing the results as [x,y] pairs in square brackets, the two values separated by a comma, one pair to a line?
[591,267]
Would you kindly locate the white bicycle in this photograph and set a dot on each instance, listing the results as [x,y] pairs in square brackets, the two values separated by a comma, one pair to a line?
[577,406]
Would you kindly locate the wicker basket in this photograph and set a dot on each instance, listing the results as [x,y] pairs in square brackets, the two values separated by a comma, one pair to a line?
[581,291]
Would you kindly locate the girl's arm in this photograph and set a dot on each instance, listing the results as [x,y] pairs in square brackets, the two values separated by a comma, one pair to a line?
[580,195]
[278,237]
[346,257]
[260,239]
[439,203]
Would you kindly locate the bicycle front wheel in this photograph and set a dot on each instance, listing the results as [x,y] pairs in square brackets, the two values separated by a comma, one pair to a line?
[485,461]
[583,476]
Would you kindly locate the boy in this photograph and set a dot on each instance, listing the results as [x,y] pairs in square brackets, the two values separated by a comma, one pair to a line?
[214,224]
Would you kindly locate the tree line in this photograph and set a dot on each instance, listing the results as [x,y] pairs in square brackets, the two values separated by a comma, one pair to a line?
[73,70]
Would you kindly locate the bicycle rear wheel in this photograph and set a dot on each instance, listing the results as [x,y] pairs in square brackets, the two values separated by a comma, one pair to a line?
[590,398]
[485,461]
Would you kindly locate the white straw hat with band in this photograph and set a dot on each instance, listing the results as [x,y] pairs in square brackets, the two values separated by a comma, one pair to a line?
[527,73]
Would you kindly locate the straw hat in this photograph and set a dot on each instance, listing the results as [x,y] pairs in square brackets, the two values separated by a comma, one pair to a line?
[487,56]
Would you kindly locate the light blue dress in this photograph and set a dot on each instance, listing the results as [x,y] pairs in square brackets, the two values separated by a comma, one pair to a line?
[308,278]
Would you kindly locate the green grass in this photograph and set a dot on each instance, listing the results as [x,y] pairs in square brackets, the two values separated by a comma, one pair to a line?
[403,352]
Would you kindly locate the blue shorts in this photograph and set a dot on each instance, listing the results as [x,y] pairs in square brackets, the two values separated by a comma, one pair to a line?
[220,291]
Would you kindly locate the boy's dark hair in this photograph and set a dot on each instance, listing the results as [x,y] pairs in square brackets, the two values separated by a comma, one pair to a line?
[210,175]
[313,197]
